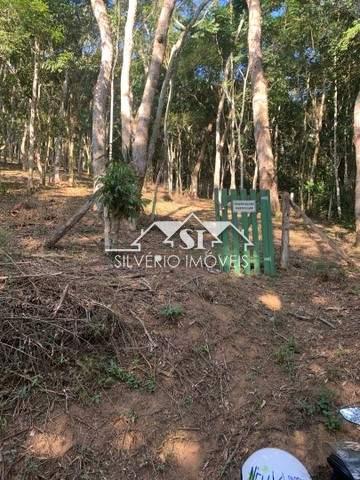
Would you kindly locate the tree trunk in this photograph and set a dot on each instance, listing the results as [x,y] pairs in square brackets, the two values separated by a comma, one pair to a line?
[71,163]
[319,117]
[23,149]
[170,73]
[260,106]
[141,134]
[218,146]
[33,105]
[126,107]
[239,128]
[102,90]
[112,89]
[335,156]
[194,190]
[58,139]
[256,173]
[357,150]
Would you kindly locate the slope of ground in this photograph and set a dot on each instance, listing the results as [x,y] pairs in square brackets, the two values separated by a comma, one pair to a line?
[169,374]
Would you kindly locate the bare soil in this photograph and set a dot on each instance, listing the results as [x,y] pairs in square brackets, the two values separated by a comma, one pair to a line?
[97,383]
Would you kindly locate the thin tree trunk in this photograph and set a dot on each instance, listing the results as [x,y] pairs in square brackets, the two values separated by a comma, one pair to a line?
[357,153]
[23,159]
[256,173]
[141,134]
[58,140]
[126,107]
[102,90]
[112,89]
[33,106]
[239,128]
[346,162]
[71,157]
[167,149]
[319,116]
[170,73]
[260,106]
[194,185]
[219,140]
[218,147]
[335,156]
[170,162]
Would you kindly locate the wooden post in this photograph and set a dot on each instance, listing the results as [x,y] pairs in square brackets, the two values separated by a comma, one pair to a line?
[285,231]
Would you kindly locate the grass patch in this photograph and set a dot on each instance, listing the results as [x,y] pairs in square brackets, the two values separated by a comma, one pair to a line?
[172,311]
[285,356]
[323,405]
[97,372]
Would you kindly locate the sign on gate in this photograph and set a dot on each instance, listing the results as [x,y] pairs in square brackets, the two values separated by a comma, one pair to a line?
[244,206]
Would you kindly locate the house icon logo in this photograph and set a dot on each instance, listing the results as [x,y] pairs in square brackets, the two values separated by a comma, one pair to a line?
[186,235]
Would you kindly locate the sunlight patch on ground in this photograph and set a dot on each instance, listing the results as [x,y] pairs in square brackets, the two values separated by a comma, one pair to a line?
[183,448]
[54,442]
[272,301]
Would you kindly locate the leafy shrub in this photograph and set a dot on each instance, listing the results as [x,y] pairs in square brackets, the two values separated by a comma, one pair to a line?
[285,356]
[3,189]
[321,404]
[172,311]
[119,190]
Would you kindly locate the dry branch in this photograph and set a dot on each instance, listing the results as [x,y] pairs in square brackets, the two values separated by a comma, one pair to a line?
[69,224]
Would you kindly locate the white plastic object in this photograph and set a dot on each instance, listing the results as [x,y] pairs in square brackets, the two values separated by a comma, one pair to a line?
[273,464]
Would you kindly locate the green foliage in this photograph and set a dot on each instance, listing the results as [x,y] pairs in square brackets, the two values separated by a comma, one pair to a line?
[172,311]
[4,238]
[321,404]
[285,356]
[120,192]
[349,36]
[115,372]
[3,188]
[60,63]
[104,372]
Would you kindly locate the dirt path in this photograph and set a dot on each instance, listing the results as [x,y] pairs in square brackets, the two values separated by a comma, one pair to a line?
[223,363]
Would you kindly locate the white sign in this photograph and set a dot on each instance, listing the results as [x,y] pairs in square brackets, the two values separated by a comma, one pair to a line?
[244,206]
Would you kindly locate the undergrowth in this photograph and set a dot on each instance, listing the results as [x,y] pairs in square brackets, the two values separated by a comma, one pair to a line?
[321,404]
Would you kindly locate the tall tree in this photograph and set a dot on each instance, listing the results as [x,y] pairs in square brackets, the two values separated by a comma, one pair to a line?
[357,153]
[102,89]
[126,109]
[260,105]
[141,131]
[33,107]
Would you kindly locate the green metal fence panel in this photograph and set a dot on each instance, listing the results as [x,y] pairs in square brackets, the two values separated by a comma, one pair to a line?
[234,253]
[236,246]
[226,234]
[255,235]
[245,229]
[266,228]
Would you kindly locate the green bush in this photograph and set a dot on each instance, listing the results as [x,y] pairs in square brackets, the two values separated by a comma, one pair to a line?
[119,190]
[172,311]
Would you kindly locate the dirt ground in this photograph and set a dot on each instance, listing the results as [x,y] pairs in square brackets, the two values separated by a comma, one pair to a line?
[111,373]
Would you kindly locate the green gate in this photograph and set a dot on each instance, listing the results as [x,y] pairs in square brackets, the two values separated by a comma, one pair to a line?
[249,213]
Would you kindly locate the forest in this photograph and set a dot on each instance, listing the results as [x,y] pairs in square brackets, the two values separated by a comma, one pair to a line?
[118,115]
